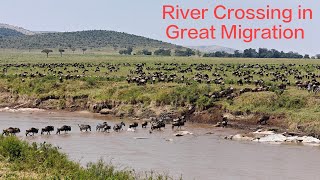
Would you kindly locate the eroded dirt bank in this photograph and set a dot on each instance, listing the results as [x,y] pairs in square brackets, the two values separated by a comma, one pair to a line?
[239,120]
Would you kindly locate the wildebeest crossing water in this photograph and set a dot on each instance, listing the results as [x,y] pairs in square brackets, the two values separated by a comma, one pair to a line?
[198,156]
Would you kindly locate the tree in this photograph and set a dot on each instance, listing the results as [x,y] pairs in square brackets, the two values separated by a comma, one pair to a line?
[198,53]
[162,52]
[47,51]
[306,56]
[146,52]
[318,56]
[73,50]
[187,52]
[250,53]
[127,51]
[237,53]
[61,51]
[84,50]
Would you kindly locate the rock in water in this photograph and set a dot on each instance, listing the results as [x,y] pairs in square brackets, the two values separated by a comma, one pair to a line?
[240,137]
[273,138]
[182,133]
[106,111]
[308,139]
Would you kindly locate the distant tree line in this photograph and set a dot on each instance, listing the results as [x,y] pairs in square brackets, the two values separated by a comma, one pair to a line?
[261,53]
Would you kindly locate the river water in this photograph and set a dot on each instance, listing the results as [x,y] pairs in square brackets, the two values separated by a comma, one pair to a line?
[198,156]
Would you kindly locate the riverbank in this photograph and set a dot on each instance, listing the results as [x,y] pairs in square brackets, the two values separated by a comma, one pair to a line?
[238,117]
[244,89]
[20,160]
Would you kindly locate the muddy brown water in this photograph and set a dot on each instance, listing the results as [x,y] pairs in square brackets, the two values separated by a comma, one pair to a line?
[198,156]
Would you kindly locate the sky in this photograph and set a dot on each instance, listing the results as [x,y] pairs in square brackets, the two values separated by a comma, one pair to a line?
[144,17]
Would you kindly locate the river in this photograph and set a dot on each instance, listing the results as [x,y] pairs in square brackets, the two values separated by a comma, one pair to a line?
[198,156]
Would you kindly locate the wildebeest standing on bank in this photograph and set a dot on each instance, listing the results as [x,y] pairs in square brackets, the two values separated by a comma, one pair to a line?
[10,131]
[84,127]
[32,131]
[118,127]
[47,129]
[263,119]
[64,128]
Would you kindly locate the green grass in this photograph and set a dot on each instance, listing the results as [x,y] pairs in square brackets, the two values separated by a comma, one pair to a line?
[299,106]
[20,160]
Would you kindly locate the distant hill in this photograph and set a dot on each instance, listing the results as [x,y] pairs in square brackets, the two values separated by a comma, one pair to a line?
[4,32]
[214,48]
[15,28]
[88,39]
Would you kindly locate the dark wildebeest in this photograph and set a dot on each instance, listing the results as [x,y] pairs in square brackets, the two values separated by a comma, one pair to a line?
[32,131]
[84,127]
[10,131]
[101,126]
[118,127]
[178,122]
[47,129]
[107,128]
[134,125]
[263,119]
[144,124]
[157,125]
[64,128]
[224,122]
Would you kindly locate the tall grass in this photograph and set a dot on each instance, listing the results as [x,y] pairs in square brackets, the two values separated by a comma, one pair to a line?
[44,161]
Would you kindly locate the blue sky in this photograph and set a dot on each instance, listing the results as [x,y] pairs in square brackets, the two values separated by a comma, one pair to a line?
[144,17]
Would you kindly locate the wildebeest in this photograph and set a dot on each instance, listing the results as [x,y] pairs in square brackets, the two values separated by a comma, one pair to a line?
[10,131]
[32,131]
[47,129]
[106,128]
[102,126]
[263,119]
[144,124]
[178,122]
[64,128]
[133,125]
[118,127]
[157,125]
[84,127]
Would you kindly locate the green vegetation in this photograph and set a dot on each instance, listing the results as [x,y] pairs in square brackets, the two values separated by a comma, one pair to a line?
[20,160]
[300,108]
[261,53]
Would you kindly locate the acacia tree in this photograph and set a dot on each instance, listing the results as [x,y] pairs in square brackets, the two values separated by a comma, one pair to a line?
[61,51]
[84,49]
[47,51]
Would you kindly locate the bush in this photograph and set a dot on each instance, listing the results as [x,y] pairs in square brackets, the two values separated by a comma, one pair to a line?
[49,163]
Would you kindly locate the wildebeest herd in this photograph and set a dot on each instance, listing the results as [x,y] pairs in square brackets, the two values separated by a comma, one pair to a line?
[264,77]
[101,127]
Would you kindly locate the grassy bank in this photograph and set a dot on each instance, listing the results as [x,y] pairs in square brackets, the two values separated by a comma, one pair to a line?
[298,108]
[20,160]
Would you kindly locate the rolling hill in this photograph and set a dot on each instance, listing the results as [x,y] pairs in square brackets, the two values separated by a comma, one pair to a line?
[80,39]
[17,29]
[4,32]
